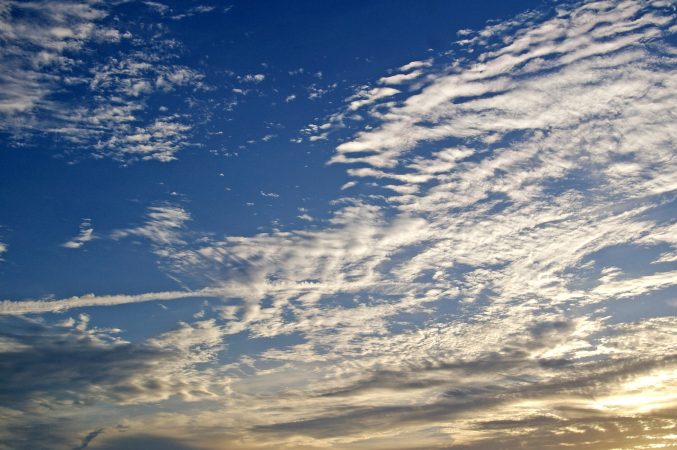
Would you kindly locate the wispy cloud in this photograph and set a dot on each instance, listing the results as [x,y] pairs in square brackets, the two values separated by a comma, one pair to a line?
[86,234]
[163,226]
[24,307]
[368,96]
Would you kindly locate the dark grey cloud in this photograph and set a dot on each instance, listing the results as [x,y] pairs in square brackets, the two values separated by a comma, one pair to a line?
[73,366]
[49,372]
[88,439]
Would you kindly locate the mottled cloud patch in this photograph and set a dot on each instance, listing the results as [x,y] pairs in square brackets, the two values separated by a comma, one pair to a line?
[32,55]
[107,109]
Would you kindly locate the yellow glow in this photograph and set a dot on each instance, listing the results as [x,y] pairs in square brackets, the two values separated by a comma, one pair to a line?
[652,380]
[636,403]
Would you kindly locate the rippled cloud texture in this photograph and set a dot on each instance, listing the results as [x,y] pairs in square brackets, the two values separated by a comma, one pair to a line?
[499,271]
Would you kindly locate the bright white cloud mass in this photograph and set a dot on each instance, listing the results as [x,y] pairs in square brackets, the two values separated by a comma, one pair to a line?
[473,248]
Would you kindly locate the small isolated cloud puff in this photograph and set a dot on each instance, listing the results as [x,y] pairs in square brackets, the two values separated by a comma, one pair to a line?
[86,234]
[253,78]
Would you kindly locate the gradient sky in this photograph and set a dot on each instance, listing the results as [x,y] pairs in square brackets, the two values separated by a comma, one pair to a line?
[338,225]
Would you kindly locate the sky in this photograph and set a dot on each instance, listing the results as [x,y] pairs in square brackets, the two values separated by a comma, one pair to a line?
[354,225]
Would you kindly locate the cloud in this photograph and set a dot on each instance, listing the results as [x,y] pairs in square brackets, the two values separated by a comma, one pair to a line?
[53,49]
[160,140]
[86,234]
[367,97]
[487,211]
[487,101]
[75,342]
[157,6]
[163,225]
[75,366]
[400,78]
[415,65]
[88,439]
[31,55]
[199,9]
[494,385]
[145,442]
[348,185]
[21,307]
[465,297]
[253,78]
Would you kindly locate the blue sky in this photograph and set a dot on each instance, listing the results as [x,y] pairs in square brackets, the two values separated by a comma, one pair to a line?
[340,224]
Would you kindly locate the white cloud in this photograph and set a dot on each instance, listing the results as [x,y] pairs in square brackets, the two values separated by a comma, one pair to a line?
[400,77]
[253,78]
[39,60]
[9,307]
[32,55]
[368,97]
[348,185]
[86,234]
[157,6]
[163,226]
[199,9]
[415,65]
[316,92]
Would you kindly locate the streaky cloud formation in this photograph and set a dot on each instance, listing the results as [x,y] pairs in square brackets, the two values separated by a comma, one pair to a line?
[500,272]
